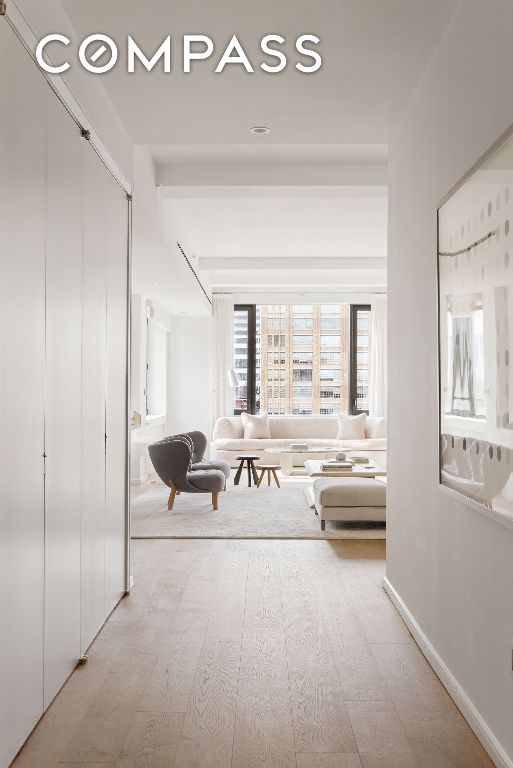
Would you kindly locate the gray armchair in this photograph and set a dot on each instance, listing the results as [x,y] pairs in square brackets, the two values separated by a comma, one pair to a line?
[199,446]
[172,460]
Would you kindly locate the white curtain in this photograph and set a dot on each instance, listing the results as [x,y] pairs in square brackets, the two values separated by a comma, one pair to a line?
[378,357]
[223,354]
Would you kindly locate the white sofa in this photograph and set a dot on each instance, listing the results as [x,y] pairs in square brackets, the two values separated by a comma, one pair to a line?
[228,440]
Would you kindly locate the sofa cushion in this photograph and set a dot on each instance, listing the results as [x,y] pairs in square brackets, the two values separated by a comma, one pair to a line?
[228,444]
[351,427]
[228,427]
[378,444]
[255,427]
[376,426]
[303,427]
[349,492]
[240,444]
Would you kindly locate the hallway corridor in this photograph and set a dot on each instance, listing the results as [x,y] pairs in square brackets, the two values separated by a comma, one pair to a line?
[251,653]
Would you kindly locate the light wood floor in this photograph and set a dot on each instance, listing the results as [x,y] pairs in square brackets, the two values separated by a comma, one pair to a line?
[283,654]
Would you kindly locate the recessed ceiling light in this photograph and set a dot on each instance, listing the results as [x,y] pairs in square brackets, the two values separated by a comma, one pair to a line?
[156,285]
[259,129]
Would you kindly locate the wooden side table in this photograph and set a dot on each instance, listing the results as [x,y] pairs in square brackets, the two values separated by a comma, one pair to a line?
[270,469]
[250,464]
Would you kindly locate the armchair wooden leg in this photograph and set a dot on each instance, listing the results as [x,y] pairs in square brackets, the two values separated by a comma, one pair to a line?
[173,493]
[276,478]
[215,497]
[224,489]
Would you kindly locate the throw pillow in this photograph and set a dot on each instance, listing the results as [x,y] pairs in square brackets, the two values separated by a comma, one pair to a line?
[351,427]
[376,427]
[255,427]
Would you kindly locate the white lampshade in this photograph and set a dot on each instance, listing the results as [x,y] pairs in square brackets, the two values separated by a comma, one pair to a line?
[232,378]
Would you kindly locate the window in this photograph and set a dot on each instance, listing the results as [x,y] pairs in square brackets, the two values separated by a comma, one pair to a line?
[275,358]
[302,323]
[330,309]
[330,341]
[302,374]
[299,358]
[244,356]
[329,410]
[330,374]
[327,391]
[302,409]
[310,358]
[330,323]
[302,341]
[156,369]
[330,358]
[299,390]
[359,383]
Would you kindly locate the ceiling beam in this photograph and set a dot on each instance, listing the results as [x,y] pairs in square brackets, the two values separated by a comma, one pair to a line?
[293,264]
[188,175]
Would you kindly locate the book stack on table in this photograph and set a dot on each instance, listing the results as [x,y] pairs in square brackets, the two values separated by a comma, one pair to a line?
[338,466]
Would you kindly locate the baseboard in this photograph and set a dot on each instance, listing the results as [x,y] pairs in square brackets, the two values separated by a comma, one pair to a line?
[455,690]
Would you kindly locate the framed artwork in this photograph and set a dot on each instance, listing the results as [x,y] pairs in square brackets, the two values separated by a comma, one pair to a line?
[475,324]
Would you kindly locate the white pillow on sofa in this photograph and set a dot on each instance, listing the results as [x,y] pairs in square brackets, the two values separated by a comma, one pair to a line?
[351,427]
[255,427]
[376,427]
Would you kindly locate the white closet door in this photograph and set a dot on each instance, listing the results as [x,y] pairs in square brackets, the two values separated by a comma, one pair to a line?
[63,397]
[22,232]
[116,408]
[94,342]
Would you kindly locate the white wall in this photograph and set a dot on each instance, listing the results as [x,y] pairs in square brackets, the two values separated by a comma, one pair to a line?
[63,332]
[159,270]
[152,428]
[45,18]
[191,390]
[451,565]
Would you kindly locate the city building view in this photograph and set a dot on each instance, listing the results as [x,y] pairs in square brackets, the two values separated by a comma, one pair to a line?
[298,358]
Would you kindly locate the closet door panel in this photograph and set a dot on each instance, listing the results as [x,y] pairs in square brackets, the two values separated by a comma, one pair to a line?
[94,343]
[116,411]
[63,397]
[22,233]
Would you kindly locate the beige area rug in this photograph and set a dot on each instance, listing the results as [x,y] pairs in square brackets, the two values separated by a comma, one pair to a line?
[265,512]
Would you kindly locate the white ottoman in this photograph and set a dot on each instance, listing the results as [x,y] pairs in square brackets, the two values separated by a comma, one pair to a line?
[350,499]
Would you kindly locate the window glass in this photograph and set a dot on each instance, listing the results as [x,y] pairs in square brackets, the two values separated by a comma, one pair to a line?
[302,354]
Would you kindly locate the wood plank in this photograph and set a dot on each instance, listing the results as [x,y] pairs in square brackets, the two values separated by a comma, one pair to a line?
[380,736]
[327,760]
[103,728]
[358,673]
[321,722]
[227,610]
[271,685]
[171,680]
[376,613]
[263,663]
[207,735]
[434,725]
[152,740]
[264,736]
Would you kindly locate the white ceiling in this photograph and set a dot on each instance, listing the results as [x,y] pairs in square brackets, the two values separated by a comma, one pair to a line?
[285,226]
[374,52]
[304,207]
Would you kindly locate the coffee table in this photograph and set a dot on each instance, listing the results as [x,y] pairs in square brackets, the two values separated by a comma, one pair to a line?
[250,464]
[372,469]
[293,462]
